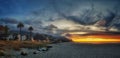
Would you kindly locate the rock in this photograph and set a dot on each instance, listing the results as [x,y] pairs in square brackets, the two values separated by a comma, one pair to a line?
[35,52]
[49,46]
[40,49]
[23,53]
[43,49]
[2,53]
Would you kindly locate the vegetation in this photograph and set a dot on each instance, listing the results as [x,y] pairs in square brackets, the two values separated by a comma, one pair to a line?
[17,45]
[20,26]
[6,31]
[30,29]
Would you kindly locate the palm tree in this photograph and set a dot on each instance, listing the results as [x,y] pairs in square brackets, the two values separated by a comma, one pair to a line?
[30,29]
[6,30]
[20,26]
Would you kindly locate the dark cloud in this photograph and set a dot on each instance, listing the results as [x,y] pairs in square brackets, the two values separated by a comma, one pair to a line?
[8,21]
[43,10]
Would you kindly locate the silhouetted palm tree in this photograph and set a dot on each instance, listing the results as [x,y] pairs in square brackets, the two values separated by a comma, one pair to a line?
[30,29]
[6,30]
[20,26]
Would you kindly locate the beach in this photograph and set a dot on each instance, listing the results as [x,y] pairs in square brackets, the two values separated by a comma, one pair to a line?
[75,50]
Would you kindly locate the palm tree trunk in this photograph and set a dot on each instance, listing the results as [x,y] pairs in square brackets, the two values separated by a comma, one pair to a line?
[20,35]
[30,35]
[31,38]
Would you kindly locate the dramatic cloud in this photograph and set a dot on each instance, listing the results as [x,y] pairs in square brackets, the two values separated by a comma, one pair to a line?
[63,14]
[65,24]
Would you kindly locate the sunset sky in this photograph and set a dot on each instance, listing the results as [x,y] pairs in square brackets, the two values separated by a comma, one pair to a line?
[62,14]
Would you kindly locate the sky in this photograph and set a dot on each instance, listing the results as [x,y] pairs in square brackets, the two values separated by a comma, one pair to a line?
[45,15]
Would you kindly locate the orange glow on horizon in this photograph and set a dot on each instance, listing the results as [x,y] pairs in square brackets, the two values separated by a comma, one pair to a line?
[95,39]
